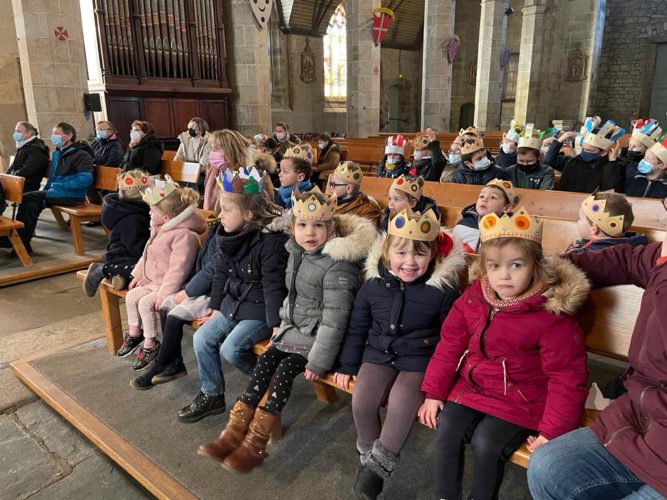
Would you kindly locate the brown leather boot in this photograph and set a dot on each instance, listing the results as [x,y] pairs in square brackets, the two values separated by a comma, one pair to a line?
[252,451]
[230,438]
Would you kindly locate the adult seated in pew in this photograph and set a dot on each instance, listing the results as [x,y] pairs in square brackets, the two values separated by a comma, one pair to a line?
[648,178]
[328,158]
[513,328]
[295,170]
[393,163]
[107,148]
[229,149]
[406,193]
[528,172]
[623,454]
[31,158]
[604,221]
[345,182]
[194,147]
[284,137]
[70,177]
[412,280]
[507,156]
[476,167]
[144,151]
[429,161]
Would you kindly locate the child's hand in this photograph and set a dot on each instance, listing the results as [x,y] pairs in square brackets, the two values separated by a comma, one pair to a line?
[428,412]
[535,442]
[566,135]
[132,284]
[614,151]
[274,332]
[342,380]
[210,316]
[158,303]
[310,375]
[180,297]
[430,134]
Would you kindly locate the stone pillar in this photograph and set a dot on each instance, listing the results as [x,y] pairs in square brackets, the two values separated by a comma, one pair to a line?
[53,64]
[249,68]
[489,89]
[363,70]
[436,70]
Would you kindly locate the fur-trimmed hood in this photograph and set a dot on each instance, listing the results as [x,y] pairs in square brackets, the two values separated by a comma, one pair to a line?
[354,236]
[264,161]
[187,219]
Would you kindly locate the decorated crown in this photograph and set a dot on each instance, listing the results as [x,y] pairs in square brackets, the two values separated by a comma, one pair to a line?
[408,184]
[514,225]
[602,137]
[420,140]
[533,138]
[302,151]
[507,188]
[413,226]
[514,133]
[134,179]
[248,180]
[594,210]
[311,208]
[660,149]
[395,145]
[469,130]
[646,131]
[349,171]
[159,191]
[471,147]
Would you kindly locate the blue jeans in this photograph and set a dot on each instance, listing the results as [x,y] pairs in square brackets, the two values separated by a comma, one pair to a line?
[231,339]
[576,466]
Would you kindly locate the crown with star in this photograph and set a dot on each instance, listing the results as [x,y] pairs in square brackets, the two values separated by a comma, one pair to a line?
[311,207]
[594,209]
[414,226]
[349,171]
[513,225]
[248,180]
[159,190]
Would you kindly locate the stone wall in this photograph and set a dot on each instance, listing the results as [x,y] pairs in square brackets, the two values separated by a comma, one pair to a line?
[463,86]
[407,77]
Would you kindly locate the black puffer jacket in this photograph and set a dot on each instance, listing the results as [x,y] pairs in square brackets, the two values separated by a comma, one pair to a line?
[108,152]
[202,281]
[147,156]
[638,184]
[129,222]
[31,161]
[401,168]
[504,160]
[431,168]
[464,175]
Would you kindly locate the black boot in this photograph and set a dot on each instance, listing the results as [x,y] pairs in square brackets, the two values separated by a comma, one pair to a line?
[368,484]
[93,278]
[145,381]
[175,369]
[201,407]
[376,466]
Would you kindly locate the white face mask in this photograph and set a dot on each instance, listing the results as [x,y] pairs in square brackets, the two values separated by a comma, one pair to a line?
[507,149]
[482,164]
[135,135]
[420,155]
[281,136]
[321,145]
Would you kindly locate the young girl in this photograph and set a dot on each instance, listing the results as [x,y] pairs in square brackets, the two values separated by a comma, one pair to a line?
[229,149]
[511,363]
[164,265]
[406,193]
[393,163]
[411,283]
[322,278]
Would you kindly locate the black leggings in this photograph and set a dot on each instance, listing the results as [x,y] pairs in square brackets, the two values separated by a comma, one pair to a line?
[286,366]
[493,441]
[172,334]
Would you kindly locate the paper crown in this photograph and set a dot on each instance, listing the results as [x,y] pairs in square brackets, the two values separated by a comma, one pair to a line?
[408,184]
[395,145]
[514,133]
[302,151]
[133,180]
[600,137]
[646,131]
[660,149]
[248,180]
[413,226]
[349,171]
[507,188]
[311,208]
[420,140]
[514,225]
[260,139]
[159,191]
[533,138]
[594,210]
[469,130]
[471,147]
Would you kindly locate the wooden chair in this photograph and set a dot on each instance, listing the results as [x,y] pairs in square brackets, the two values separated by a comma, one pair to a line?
[12,186]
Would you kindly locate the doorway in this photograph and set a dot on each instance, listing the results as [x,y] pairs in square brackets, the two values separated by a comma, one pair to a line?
[659,89]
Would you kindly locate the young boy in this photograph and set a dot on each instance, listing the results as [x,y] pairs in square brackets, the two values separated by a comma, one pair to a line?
[644,135]
[497,196]
[648,177]
[476,168]
[295,170]
[528,172]
[604,220]
[345,182]
[508,148]
[393,164]
[429,161]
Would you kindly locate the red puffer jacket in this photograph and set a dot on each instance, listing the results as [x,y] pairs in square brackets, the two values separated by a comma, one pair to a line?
[523,362]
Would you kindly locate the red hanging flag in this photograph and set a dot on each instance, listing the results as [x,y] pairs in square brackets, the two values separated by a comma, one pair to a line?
[382,18]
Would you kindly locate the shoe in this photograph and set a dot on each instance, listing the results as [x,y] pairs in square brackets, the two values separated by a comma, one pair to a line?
[175,369]
[230,439]
[93,278]
[129,345]
[252,450]
[5,242]
[368,484]
[145,381]
[93,223]
[201,407]
[118,282]
[146,357]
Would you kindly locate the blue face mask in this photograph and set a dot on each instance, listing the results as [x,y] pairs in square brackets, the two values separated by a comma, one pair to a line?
[482,164]
[18,137]
[589,157]
[57,140]
[454,158]
[101,134]
[645,167]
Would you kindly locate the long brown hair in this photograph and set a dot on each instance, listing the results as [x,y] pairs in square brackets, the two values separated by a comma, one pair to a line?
[234,145]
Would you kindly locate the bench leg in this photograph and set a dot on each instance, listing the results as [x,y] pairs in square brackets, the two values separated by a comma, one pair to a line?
[113,327]
[77,236]
[57,214]
[325,393]
[19,248]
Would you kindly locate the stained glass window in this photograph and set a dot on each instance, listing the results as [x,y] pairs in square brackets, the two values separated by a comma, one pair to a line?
[335,59]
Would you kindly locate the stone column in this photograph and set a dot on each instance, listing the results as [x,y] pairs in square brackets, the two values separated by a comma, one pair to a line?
[249,68]
[436,70]
[53,64]
[363,70]
[489,89]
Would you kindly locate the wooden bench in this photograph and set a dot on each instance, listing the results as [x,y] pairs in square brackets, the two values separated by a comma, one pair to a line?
[12,186]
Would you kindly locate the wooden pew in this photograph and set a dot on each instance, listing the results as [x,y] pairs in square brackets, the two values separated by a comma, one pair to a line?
[12,186]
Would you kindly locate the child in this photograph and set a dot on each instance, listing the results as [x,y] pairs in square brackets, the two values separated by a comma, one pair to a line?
[428,159]
[295,171]
[346,183]
[127,217]
[508,148]
[648,179]
[496,197]
[528,172]
[393,163]
[644,136]
[476,168]
[453,158]
[322,279]
[412,278]
[164,265]
[406,193]
[229,149]
[604,220]
[511,363]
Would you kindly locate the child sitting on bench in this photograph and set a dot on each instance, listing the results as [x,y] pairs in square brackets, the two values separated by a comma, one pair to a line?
[345,181]
[406,193]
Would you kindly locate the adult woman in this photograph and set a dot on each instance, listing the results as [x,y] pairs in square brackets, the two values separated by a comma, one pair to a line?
[32,156]
[144,151]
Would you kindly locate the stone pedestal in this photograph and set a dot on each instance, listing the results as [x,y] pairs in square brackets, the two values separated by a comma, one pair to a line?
[489,89]
[436,70]
[363,70]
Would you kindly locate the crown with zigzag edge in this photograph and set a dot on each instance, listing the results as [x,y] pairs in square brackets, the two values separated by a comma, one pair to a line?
[513,225]
[469,130]
[414,226]
[302,151]
[594,210]
[472,147]
[507,188]
[646,131]
[248,180]
[408,184]
[311,208]
[349,171]
[159,190]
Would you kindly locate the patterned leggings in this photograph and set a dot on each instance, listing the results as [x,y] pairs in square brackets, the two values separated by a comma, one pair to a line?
[286,366]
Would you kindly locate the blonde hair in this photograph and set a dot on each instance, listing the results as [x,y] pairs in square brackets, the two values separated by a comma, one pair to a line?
[616,204]
[234,145]
[177,201]
[393,241]
[260,205]
[531,251]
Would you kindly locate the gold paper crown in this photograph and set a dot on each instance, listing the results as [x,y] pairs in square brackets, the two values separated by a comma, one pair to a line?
[516,225]
[311,208]
[646,131]
[472,147]
[660,149]
[134,179]
[408,184]
[469,130]
[349,171]
[507,188]
[602,137]
[159,191]
[420,140]
[413,226]
[594,210]
[302,151]
[527,140]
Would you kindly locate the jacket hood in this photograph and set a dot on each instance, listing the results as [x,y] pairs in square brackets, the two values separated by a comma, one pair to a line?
[354,236]
[331,147]
[265,161]
[568,286]
[445,273]
[76,147]
[187,219]
[117,209]
[37,143]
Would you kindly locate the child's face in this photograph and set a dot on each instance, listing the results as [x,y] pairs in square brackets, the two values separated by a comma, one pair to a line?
[527,156]
[511,145]
[158,217]
[397,202]
[311,235]
[231,216]
[393,158]
[491,200]
[288,176]
[477,156]
[585,227]
[509,272]
[406,262]
[655,161]
[340,186]
[636,145]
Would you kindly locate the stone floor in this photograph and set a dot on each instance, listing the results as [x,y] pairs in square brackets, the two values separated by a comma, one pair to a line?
[41,455]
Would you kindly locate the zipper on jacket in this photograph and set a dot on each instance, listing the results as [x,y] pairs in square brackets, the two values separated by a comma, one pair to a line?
[504,364]
[292,288]
[617,431]
[460,394]
[492,315]
[461,359]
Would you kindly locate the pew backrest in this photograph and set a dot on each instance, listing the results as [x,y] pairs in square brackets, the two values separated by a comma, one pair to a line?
[12,187]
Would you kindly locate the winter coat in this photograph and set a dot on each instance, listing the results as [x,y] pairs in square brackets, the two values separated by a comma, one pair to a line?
[283,195]
[633,428]
[147,155]
[31,161]
[431,168]
[631,238]
[129,224]
[638,184]
[193,149]
[328,160]
[249,279]
[423,205]
[170,253]
[200,283]
[361,205]
[467,229]
[504,160]
[395,323]
[290,141]
[524,361]
[108,152]
[401,168]
[464,175]
[71,172]
[539,176]
[321,288]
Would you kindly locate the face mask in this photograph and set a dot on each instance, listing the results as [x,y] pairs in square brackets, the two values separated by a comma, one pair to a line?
[281,136]
[18,137]
[635,156]
[482,164]
[321,145]
[507,149]
[419,155]
[526,166]
[645,167]
[101,134]
[454,158]
[390,165]
[57,140]
[192,132]
[135,136]
[217,159]
[589,157]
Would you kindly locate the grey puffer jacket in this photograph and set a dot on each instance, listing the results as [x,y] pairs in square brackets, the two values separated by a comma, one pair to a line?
[321,289]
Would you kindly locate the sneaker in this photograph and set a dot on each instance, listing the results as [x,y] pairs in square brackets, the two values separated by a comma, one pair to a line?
[146,357]
[129,345]
[201,407]
[94,277]
[175,369]
[119,282]
[143,382]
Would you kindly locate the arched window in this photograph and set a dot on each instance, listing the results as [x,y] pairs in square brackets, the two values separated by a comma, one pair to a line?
[335,60]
